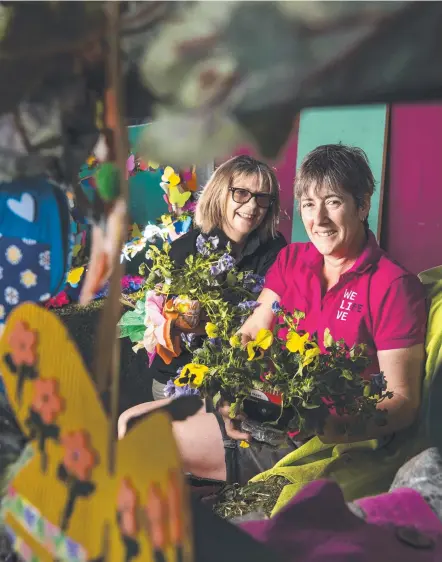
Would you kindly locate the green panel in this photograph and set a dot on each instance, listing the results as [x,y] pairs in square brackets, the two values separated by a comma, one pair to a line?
[362,126]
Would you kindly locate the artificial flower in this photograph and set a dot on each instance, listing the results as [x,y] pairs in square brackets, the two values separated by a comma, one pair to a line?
[75,275]
[211,330]
[296,343]
[192,375]
[263,341]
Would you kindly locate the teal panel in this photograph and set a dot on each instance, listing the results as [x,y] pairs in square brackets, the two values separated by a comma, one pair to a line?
[146,195]
[362,126]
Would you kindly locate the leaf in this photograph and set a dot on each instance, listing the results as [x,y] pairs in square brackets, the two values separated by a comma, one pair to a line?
[347,374]
[328,339]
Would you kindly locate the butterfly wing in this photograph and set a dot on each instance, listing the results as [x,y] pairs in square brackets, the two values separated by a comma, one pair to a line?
[66,503]
[178,198]
[151,503]
[59,501]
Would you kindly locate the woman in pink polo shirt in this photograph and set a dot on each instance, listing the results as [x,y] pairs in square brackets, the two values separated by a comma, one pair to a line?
[343,281]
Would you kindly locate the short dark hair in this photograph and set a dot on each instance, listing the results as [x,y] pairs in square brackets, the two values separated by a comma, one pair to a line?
[343,168]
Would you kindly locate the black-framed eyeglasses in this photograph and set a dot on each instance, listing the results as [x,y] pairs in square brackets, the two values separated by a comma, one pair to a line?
[243,195]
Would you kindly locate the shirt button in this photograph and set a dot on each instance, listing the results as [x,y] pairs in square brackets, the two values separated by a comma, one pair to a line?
[416,539]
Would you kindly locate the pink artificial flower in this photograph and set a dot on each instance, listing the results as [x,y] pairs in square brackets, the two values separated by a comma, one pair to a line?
[58,301]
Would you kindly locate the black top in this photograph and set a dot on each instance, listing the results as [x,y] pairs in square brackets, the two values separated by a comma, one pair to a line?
[256,257]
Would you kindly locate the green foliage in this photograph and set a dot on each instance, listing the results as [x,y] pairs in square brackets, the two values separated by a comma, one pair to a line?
[309,382]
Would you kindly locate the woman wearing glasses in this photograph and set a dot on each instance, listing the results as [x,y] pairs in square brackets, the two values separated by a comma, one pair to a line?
[343,281]
[240,204]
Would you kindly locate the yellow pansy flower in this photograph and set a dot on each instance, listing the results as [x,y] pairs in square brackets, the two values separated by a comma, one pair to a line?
[263,341]
[212,330]
[310,355]
[235,341]
[296,343]
[192,374]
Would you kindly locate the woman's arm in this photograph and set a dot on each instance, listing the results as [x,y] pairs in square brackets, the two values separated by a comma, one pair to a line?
[403,369]
[262,317]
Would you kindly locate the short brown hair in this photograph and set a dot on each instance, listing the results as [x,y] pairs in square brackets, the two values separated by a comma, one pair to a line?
[342,168]
[211,206]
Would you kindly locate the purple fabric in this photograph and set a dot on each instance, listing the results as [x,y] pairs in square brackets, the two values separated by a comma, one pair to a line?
[317,526]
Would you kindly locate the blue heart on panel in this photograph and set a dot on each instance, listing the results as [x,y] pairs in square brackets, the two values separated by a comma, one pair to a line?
[23,207]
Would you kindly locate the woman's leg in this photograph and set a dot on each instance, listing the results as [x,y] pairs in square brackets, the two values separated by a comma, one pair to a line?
[198,438]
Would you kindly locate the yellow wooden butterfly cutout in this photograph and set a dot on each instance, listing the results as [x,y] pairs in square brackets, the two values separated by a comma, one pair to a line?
[70,502]
[177,197]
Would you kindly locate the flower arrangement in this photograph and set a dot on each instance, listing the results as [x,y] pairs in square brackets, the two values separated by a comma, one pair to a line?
[289,368]
[206,290]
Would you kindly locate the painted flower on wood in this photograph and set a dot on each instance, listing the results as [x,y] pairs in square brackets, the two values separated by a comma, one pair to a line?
[127,512]
[45,408]
[75,471]
[23,355]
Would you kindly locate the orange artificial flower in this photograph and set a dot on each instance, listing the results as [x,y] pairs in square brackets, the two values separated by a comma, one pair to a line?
[46,400]
[127,509]
[79,457]
[23,343]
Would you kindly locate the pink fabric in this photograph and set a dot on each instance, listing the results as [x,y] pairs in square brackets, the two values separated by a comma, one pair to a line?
[376,302]
[317,526]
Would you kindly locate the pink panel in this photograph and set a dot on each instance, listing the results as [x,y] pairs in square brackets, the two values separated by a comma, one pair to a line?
[412,221]
[285,171]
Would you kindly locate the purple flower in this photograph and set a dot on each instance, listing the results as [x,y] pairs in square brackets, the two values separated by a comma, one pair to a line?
[225,263]
[170,389]
[248,305]
[206,246]
[215,341]
[253,282]
[173,391]
[378,384]
[189,339]
[276,307]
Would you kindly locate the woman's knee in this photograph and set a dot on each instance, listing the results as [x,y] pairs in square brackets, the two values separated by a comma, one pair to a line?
[136,411]
[200,444]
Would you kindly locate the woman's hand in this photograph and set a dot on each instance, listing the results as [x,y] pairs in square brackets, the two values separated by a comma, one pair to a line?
[262,317]
[231,424]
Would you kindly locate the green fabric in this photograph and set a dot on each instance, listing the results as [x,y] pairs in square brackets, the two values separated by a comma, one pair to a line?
[368,467]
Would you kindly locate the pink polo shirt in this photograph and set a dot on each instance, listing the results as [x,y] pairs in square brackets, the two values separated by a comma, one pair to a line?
[376,302]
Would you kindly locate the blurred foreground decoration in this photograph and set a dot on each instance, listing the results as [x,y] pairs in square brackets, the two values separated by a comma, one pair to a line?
[213,75]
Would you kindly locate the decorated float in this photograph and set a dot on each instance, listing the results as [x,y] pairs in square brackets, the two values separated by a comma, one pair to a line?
[76,492]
